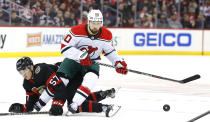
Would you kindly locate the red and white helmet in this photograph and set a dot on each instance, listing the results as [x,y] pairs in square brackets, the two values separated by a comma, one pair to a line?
[95,15]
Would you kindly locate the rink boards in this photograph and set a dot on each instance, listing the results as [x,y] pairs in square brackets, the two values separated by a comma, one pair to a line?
[45,41]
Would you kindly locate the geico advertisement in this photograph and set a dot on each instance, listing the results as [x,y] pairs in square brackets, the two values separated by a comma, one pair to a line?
[27,39]
[159,39]
[36,39]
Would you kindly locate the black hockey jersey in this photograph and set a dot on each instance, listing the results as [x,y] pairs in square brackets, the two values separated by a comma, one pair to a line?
[44,77]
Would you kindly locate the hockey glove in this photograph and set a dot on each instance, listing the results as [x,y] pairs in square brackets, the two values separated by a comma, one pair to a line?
[56,108]
[85,60]
[121,67]
[84,57]
[16,107]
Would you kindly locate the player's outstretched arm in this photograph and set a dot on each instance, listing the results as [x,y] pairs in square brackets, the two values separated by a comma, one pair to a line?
[120,66]
[31,98]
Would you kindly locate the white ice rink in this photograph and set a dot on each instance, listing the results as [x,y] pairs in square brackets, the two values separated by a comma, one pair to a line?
[141,97]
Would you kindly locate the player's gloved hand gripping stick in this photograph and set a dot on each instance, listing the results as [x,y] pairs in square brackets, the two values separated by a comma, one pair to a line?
[121,67]
[84,57]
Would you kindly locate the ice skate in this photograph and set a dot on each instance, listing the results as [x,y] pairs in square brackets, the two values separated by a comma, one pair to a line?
[111,110]
[72,109]
[108,93]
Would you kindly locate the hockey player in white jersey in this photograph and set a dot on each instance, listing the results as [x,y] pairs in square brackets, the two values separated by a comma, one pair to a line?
[81,48]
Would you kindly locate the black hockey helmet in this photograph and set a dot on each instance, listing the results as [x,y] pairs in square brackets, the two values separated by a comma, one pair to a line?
[23,62]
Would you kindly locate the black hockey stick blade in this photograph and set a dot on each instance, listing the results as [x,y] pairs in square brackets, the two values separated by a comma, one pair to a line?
[24,113]
[194,77]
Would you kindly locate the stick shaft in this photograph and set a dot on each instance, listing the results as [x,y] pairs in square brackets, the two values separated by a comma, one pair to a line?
[151,75]
[200,116]
[24,113]
[143,73]
[138,72]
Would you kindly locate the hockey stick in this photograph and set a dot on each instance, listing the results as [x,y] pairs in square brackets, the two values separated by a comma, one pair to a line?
[24,113]
[200,116]
[186,80]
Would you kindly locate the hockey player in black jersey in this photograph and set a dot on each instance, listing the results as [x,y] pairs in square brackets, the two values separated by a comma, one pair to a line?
[42,84]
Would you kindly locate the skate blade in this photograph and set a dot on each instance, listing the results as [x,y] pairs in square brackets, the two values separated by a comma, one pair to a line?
[68,113]
[114,111]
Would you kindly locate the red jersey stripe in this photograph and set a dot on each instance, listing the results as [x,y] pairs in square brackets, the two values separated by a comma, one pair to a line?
[84,89]
[30,93]
[90,106]
[94,97]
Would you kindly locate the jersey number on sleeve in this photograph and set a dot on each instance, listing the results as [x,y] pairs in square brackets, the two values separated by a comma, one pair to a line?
[68,38]
[54,81]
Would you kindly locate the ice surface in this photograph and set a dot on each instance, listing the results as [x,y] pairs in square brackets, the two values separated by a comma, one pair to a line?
[141,97]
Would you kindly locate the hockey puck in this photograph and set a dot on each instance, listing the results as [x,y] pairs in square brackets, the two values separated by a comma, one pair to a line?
[166,107]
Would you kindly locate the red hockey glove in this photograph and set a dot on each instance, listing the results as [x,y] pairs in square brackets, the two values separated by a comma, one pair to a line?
[121,67]
[84,58]
[56,108]
[86,61]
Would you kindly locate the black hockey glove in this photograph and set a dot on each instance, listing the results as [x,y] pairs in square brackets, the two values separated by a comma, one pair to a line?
[56,108]
[16,107]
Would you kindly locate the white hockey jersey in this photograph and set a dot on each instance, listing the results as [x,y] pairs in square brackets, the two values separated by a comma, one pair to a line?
[79,40]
